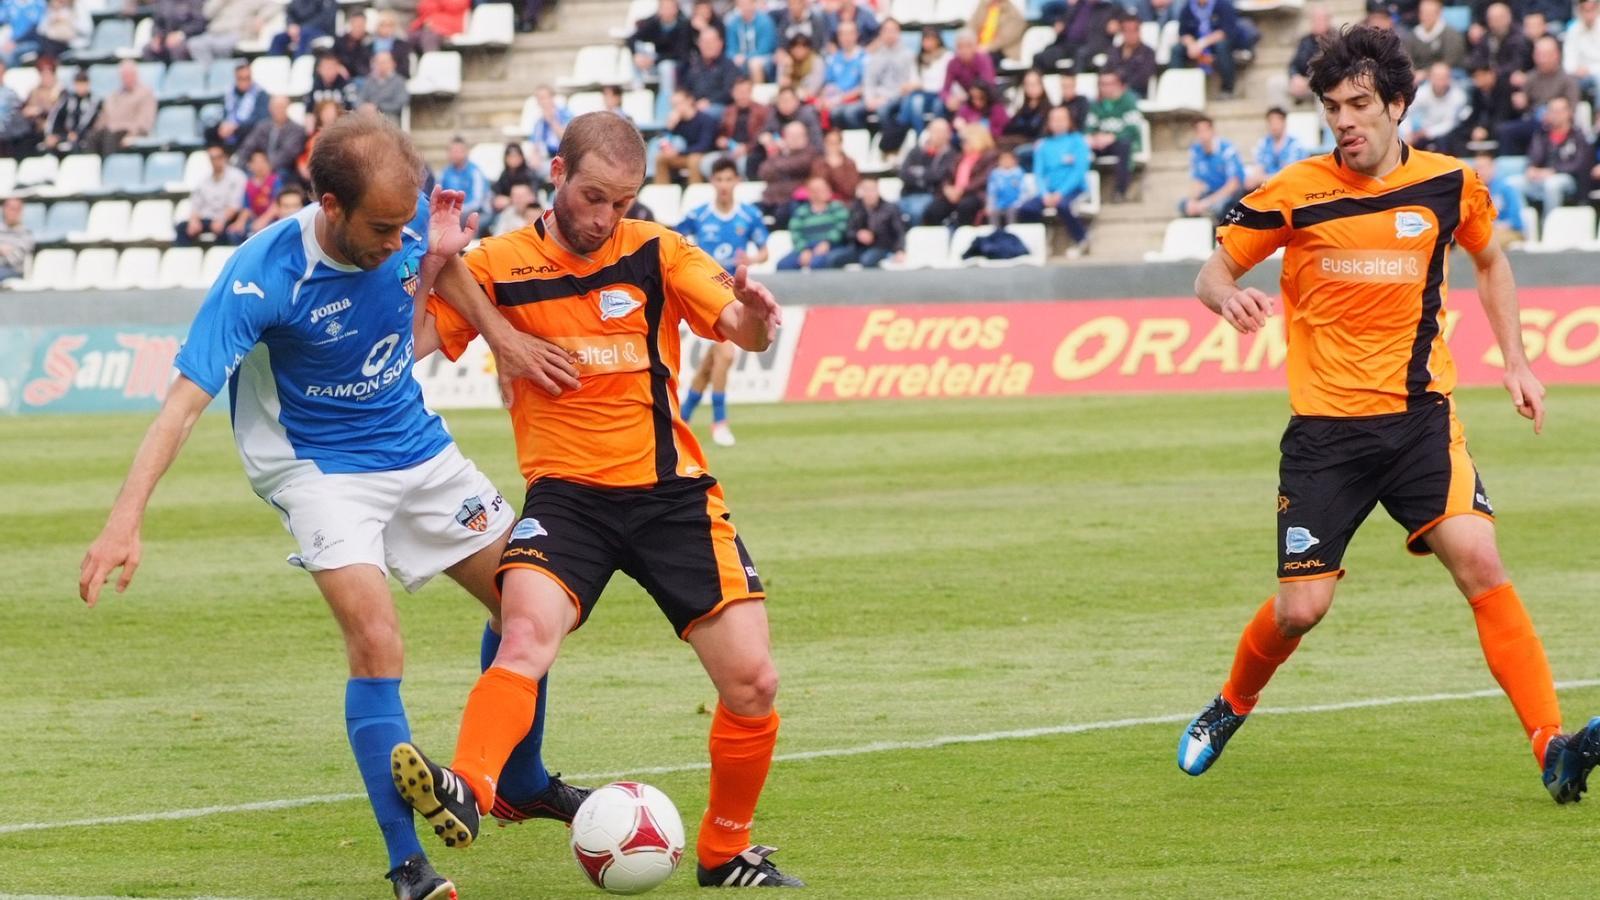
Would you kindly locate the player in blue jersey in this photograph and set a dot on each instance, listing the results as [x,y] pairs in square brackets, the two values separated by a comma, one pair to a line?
[310,329]
[734,234]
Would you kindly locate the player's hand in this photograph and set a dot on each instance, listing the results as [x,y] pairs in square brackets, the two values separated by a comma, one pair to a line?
[758,302]
[1247,310]
[1527,395]
[115,547]
[522,356]
[446,235]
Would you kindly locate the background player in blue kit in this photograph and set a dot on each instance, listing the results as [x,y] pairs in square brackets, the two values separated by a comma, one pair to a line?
[734,234]
[310,328]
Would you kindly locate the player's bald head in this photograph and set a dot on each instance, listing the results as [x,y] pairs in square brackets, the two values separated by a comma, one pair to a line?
[358,151]
[605,135]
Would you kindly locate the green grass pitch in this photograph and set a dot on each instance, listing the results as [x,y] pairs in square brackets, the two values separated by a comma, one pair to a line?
[939,569]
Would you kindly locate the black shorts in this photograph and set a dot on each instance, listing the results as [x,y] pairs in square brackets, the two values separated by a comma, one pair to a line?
[676,539]
[1334,471]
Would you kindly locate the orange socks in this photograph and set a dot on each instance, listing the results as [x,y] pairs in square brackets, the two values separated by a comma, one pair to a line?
[1516,659]
[499,714]
[1261,650]
[741,754]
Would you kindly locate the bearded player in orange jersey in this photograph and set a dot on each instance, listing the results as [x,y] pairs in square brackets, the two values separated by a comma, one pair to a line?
[1367,232]
[616,482]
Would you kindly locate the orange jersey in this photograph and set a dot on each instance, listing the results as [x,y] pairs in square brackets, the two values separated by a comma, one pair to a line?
[617,311]
[1364,275]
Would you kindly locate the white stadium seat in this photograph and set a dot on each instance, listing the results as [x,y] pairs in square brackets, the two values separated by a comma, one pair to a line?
[302,73]
[749,191]
[1185,239]
[108,221]
[137,269]
[216,257]
[50,270]
[640,106]
[585,102]
[914,12]
[438,74]
[598,64]
[665,201]
[490,157]
[1566,228]
[779,245]
[22,80]
[180,268]
[890,189]
[94,270]
[272,73]
[927,247]
[696,195]
[488,25]
[1178,89]
[1305,127]
[8,175]
[524,126]
[151,221]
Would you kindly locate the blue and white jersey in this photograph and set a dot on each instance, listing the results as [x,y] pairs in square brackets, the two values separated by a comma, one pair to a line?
[316,355]
[724,236]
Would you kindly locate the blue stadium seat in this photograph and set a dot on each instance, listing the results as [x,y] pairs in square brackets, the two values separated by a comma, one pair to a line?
[176,128]
[104,80]
[219,78]
[33,217]
[122,173]
[110,35]
[152,74]
[63,219]
[184,81]
[161,169]
[1457,17]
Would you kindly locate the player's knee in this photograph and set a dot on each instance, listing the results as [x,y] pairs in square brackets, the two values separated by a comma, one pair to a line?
[1479,570]
[526,645]
[375,649]
[1295,619]
[754,692]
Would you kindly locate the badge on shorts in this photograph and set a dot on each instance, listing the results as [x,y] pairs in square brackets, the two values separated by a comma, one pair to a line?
[1298,540]
[1410,224]
[527,528]
[473,515]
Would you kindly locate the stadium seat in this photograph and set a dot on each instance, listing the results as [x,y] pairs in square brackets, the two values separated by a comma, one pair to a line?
[1088,85]
[185,80]
[1177,89]
[639,9]
[438,74]
[1305,127]
[890,189]
[104,79]
[749,191]
[8,175]
[94,270]
[858,146]
[163,169]
[259,44]
[219,77]
[63,219]
[1167,42]
[640,106]
[22,80]
[927,247]
[598,64]
[1142,157]
[122,173]
[488,25]
[779,245]
[1457,17]
[108,221]
[956,11]
[143,31]
[33,217]
[181,268]
[1185,239]
[151,74]
[297,112]
[37,170]
[912,13]
[1052,88]
[763,93]
[271,73]
[1566,228]
[490,157]
[583,102]
[51,270]
[215,259]
[300,75]
[695,195]
[151,220]
[1530,225]
[1036,38]
[110,35]
[665,200]
[195,167]
[1087,206]
[78,174]
[524,126]
[137,269]
[177,127]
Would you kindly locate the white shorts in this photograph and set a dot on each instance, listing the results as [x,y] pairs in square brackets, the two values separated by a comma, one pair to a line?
[414,522]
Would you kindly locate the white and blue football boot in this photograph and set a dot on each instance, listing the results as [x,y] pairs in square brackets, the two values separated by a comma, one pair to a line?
[1203,740]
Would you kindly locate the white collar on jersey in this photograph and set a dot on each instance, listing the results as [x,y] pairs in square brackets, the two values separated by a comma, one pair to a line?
[307,219]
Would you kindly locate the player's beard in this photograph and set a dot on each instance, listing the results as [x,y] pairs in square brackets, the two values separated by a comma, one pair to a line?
[358,257]
[570,235]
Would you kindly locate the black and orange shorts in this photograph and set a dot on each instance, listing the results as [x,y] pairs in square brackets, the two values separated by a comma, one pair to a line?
[676,539]
[1334,471]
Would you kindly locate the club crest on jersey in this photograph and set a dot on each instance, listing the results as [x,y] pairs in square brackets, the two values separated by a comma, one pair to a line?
[527,528]
[1299,540]
[616,304]
[473,515]
[1410,224]
[409,276]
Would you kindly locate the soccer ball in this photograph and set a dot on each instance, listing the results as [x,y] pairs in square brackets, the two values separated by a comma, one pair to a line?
[627,837]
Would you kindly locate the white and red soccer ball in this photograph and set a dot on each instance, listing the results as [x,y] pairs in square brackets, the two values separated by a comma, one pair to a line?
[627,837]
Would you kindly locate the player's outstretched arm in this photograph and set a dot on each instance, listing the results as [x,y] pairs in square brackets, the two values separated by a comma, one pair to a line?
[751,322]
[1217,286]
[1497,291]
[118,543]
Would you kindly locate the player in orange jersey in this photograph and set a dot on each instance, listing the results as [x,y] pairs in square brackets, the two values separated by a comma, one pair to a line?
[1367,232]
[616,481]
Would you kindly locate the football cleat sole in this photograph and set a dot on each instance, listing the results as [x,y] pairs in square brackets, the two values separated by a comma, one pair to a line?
[415,783]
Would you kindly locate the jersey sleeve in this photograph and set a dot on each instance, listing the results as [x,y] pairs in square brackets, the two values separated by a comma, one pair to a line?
[1477,214]
[1254,228]
[455,332]
[696,284]
[758,228]
[236,313]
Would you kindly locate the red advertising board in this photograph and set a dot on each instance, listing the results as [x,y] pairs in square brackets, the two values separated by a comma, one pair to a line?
[1008,349]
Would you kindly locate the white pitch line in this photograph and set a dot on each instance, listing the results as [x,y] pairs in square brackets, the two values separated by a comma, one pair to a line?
[833,753]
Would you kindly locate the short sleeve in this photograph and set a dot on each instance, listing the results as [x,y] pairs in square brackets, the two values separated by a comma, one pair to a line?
[1477,214]
[696,284]
[1253,229]
[231,321]
[455,332]
[758,228]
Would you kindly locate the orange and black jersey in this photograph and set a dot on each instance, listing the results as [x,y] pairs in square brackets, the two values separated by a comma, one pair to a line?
[617,311]
[1364,275]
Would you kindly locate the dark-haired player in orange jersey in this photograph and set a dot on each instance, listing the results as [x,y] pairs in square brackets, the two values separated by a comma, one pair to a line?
[616,482]
[1367,232]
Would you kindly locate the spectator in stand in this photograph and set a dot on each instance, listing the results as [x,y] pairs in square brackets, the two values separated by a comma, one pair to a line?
[243,107]
[841,11]
[752,39]
[1490,103]
[383,87]
[691,134]
[839,169]
[925,168]
[24,17]
[462,174]
[711,74]
[1560,160]
[983,108]
[1211,32]
[1157,12]
[1071,99]
[260,207]
[1298,86]
[788,108]
[1499,44]
[126,115]
[922,91]
[843,76]
[800,69]
[437,21]
[64,26]
[306,21]
[1061,174]
[818,230]
[1277,149]
[173,23]
[1437,118]
[1581,47]
[40,101]
[291,199]
[1005,190]
[1113,124]
[665,37]
[1215,171]
[1507,200]
[514,212]
[325,114]
[1538,87]
[966,68]
[14,126]
[387,39]
[1080,27]
[800,17]
[214,199]
[1536,26]
[514,170]
[278,136]
[72,116]
[999,25]
[961,197]
[16,242]
[1133,60]
[227,23]
[545,138]
[611,101]
[328,83]
[733,233]
[703,16]
[353,49]
[785,171]
[739,134]
[876,231]
[1432,40]
[1026,123]
[889,74]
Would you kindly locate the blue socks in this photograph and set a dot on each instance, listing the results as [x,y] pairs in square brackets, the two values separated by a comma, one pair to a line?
[375,720]
[524,775]
[690,403]
[719,407]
